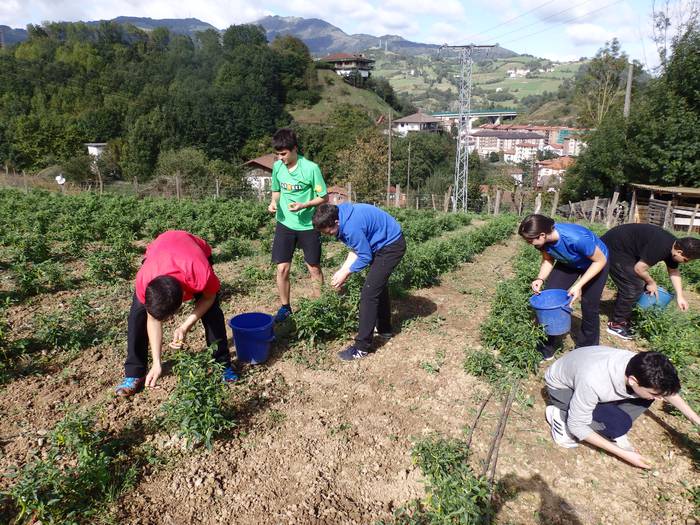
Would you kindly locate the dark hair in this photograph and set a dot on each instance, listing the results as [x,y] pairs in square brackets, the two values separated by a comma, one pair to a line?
[533,225]
[690,246]
[325,216]
[654,370]
[284,138]
[163,297]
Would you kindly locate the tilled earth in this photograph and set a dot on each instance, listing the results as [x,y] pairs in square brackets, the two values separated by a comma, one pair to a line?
[331,443]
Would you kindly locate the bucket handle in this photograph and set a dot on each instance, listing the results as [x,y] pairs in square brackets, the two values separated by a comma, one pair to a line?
[567,309]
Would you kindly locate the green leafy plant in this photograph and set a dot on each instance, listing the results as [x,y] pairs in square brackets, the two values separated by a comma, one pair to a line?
[195,408]
[80,472]
[454,494]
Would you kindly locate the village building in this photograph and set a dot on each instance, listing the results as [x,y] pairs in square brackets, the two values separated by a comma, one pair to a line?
[346,64]
[259,174]
[489,141]
[415,123]
[550,173]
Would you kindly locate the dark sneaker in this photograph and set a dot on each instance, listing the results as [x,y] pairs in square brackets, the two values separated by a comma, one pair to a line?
[351,353]
[130,386]
[229,376]
[620,330]
[547,352]
[282,314]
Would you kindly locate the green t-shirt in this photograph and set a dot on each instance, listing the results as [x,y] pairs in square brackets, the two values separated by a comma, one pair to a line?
[303,184]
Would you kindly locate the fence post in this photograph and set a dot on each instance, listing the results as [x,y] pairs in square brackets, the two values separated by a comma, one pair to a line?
[594,210]
[692,218]
[555,203]
[349,188]
[520,203]
[667,215]
[398,196]
[416,202]
[633,205]
[497,205]
[136,186]
[218,182]
[177,185]
[538,203]
[26,183]
[446,202]
[611,209]
[488,204]
[432,197]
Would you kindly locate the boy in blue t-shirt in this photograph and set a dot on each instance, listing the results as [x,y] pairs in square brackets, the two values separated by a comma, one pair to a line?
[375,240]
[581,268]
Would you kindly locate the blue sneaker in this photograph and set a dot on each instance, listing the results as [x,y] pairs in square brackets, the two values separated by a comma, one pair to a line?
[130,386]
[282,314]
[229,376]
[351,353]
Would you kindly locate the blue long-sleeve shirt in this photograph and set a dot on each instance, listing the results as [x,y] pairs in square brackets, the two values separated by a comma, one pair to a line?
[365,229]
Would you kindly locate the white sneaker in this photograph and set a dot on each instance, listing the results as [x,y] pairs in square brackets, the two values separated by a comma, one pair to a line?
[560,434]
[624,443]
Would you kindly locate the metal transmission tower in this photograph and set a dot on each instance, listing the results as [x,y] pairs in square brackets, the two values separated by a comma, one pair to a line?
[461,178]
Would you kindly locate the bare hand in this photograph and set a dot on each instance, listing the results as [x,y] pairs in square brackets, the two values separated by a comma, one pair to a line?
[295,206]
[682,303]
[339,279]
[536,285]
[153,375]
[653,289]
[575,294]
[272,208]
[636,459]
[179,337]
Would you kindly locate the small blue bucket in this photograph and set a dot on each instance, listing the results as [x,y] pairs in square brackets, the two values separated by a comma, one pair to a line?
[252,335]
[648,300]
[553,310]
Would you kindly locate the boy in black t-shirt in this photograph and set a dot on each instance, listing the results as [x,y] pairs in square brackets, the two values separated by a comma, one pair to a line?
[634,248]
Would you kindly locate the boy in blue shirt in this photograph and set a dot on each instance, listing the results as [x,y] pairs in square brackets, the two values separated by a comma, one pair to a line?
[581,268]
[375,240]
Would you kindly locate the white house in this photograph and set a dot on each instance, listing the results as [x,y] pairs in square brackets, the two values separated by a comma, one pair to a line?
[345,64]
[416,122]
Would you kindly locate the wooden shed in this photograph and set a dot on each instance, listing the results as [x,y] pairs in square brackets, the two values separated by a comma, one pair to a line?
[672,207]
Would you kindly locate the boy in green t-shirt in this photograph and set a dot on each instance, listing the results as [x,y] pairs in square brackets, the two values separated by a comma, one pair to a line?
[297,188]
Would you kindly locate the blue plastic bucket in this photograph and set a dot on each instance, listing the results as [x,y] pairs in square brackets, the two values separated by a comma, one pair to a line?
[647,300]
[553,310]
[252,335]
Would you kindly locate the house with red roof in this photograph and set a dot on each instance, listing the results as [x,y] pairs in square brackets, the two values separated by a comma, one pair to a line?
[346,64]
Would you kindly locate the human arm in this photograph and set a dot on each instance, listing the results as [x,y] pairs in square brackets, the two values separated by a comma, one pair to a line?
[344,272]
[599,261]
[642,271]
[154,329]
[202,306]
[296,206]
[678,402]
[272,207]
[675,276]
[546,268]
[631,457]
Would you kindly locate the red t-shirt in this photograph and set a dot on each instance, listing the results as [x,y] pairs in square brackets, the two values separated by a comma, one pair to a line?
[183,256]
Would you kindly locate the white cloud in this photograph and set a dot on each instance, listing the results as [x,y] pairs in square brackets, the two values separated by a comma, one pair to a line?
[588,34]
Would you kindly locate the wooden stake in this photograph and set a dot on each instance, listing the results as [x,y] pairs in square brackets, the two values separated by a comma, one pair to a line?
[692,218]
[497,205]
[594,209]
[218,182]
[611,209]
[398,196]
[446,202]
[349,188]
[555,203]
[668,215]
[538,203]
[26,183]
[633,205]
[177,185]
[432,198]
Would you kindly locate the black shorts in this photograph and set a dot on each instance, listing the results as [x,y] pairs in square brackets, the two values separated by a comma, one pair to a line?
[286,240]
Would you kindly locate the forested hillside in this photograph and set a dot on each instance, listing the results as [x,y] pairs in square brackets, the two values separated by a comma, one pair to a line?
[145,94]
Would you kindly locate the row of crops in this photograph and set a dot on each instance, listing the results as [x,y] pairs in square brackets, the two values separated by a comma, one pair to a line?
[82,469]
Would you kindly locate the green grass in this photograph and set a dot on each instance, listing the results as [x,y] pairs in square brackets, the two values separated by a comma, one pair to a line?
[335,91]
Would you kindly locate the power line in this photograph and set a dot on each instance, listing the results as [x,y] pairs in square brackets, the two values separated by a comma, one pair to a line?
[563,22]
[511,19]
[541,20]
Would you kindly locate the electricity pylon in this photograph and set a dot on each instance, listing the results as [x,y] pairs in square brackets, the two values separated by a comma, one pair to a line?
[461,178]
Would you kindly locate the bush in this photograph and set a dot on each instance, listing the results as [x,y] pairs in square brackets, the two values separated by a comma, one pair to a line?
[195,408]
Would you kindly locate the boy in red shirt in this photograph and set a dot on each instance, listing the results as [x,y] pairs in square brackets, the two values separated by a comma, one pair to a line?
[176,268]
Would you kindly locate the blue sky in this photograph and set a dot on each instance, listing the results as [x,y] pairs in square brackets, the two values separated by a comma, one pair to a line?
[551,29]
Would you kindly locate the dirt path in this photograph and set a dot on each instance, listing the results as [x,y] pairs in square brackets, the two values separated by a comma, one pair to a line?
[332,445]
